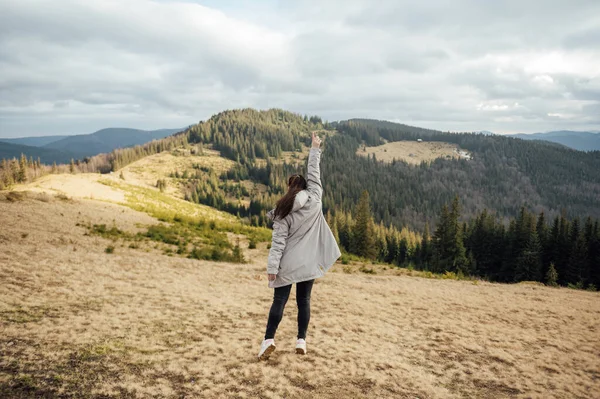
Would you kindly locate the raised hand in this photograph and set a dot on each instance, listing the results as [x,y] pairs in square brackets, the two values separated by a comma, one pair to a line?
[316,141]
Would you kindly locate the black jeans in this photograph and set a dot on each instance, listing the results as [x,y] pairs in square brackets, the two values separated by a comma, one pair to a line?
[280,298]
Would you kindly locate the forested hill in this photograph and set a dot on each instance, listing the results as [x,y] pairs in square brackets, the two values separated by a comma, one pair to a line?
[504,175]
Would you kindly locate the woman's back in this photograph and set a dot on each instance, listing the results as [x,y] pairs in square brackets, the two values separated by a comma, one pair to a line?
[303,246]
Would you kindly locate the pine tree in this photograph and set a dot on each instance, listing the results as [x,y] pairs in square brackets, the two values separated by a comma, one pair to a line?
[449,250]
[4,170]
[460,263]
[403,251]
[425,250]
[22,174]
[542,229]
[578,267]
[507,268]
[442,242]
[334,230]
[381,243]
[544,235]
[363,239]
[392,246]
[237,254]
[562,250]
[594,255]
[13,173]
[529,265]
[552,276]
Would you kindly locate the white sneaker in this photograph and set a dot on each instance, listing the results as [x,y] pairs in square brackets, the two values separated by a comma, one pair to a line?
[301,347]
[266,348]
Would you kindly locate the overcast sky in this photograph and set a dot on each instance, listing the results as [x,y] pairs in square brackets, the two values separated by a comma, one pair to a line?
[75,66]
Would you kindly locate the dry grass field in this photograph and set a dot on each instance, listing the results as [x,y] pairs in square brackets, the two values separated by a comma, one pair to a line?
[76,322]
[411,152]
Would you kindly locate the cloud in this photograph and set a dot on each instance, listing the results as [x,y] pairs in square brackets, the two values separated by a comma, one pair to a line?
[68,66]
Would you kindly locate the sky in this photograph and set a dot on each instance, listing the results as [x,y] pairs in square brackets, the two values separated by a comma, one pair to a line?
[74,67]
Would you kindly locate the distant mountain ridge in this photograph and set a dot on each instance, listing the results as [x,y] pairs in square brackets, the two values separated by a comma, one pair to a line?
[582,141]
[46,155]
[79,146]
[34,141]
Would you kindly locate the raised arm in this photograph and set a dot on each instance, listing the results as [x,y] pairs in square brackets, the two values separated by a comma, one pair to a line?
[313,181]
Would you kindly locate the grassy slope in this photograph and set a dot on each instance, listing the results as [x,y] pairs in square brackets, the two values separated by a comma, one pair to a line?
[191,229]
[78,322]
[411,152]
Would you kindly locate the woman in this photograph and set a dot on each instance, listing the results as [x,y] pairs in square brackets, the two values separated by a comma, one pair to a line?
[302,250]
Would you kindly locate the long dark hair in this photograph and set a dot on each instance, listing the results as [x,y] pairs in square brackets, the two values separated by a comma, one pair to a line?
[296,183]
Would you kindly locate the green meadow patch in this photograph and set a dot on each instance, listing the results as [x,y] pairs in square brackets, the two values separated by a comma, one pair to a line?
[197,231]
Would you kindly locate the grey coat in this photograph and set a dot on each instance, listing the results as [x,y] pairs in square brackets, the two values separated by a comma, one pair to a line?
[303,246]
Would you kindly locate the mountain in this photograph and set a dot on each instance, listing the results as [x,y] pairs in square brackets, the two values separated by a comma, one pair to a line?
[46,155]
[106,140]
[34,141]
[55,148]
[582,141]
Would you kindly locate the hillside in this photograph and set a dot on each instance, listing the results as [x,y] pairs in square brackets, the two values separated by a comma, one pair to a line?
[142,321]
[61,149]
[582,141]
[504,175]
[46,155]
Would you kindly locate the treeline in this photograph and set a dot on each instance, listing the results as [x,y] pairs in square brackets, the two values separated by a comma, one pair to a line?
[20,171]
[357,233]
[562,252]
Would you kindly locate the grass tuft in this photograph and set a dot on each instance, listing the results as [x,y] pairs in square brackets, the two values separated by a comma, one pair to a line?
[15,196]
